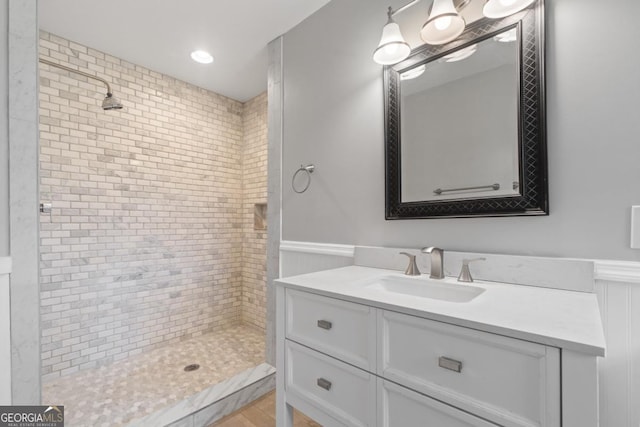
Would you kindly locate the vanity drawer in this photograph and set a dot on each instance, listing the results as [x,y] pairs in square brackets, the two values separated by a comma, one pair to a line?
[399,406]
[345,394]
[338,328]
[507,381]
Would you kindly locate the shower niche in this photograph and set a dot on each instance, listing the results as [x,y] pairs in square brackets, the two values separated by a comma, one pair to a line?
[260,216]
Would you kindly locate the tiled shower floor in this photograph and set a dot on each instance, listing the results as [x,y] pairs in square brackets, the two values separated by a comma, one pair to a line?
[116,394]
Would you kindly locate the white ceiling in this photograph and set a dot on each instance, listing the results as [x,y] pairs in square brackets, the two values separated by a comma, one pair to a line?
[160,35]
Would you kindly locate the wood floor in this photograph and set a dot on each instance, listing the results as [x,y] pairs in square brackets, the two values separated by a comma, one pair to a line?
[261,413]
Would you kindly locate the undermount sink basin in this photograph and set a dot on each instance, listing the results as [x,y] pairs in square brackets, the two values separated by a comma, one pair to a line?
[426,288]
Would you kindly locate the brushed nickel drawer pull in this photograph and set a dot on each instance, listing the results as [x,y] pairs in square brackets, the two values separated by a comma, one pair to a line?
[324,324]
[322,383]
[450,364]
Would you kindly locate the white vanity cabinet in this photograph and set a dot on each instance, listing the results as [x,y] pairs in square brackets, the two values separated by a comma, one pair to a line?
[508,381]
[399,406]
[352,364]
[352,353]
[341,329]
[345,394]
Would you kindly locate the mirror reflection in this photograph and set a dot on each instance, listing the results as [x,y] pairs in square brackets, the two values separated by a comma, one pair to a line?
[459,123]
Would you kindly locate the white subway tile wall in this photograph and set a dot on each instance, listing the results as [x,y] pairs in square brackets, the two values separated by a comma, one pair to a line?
[144,245]
[254,181]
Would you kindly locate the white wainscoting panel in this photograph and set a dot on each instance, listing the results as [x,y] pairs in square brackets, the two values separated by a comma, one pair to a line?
[620,369]
[617,284]
[5,333]
[617,271]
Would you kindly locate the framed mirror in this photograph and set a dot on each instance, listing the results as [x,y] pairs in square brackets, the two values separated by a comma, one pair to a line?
[465,131]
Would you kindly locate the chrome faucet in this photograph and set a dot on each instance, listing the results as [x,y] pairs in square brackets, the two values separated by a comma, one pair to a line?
[437,259]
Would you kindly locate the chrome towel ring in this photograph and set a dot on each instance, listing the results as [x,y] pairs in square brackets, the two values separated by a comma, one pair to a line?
[308,170]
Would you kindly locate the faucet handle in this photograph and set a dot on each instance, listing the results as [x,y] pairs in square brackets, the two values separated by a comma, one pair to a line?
[465,274]
[412,268]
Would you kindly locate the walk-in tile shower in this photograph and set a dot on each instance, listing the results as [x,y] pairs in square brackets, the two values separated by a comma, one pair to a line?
[150,243]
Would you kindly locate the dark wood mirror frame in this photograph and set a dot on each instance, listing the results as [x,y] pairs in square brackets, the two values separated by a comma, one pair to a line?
[532,150]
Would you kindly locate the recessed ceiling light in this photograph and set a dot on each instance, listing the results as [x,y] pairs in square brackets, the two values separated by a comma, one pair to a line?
[202,57]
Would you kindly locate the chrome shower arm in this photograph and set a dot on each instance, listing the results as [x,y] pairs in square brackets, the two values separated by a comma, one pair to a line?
[82,73]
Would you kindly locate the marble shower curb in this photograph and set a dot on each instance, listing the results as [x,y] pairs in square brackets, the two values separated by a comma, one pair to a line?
[213,403]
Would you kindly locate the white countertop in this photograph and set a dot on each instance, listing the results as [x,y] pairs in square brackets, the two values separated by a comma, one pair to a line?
[559,318]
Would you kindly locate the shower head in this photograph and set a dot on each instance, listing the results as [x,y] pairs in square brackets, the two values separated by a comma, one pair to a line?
[110,102]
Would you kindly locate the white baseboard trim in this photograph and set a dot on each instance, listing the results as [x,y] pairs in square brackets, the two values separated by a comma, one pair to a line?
[617,271]
[5,265]
[318,248]
[605,270]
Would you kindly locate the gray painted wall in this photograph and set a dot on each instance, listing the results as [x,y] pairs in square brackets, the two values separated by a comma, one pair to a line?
[333,117]
[4,130]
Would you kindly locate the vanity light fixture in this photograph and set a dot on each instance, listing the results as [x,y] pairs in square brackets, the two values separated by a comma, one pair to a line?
[495,9]
[444,24]
[202,57]
[392,47]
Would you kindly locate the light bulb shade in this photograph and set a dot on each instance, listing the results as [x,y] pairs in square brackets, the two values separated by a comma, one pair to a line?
[392,48]
[444,24]
[495,9]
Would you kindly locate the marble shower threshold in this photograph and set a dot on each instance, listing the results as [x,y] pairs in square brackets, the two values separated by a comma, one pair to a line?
[214,403]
